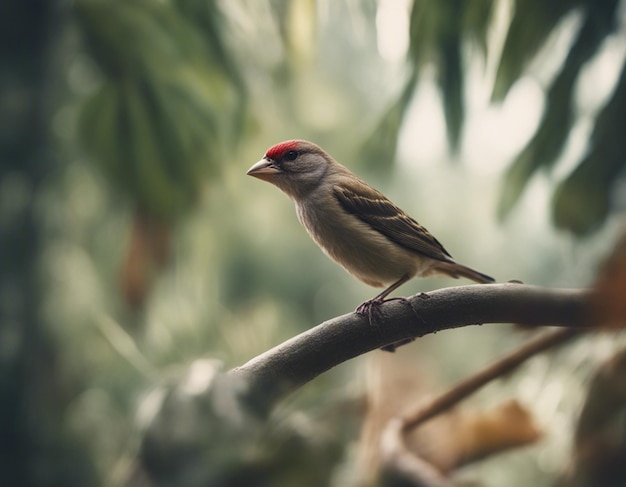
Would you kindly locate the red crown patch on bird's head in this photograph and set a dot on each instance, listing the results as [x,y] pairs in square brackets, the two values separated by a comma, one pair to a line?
[277,151]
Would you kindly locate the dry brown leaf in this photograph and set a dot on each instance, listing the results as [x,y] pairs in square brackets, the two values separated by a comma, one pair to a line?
[608,301]
[458,438]
[147,253]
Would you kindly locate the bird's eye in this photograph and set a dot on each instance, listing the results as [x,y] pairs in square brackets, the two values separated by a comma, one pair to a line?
[292,155]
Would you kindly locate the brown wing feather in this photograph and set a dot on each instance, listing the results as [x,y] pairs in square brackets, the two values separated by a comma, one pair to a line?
[373,208]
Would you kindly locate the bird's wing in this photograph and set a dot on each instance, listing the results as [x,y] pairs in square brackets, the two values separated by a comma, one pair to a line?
[372,207]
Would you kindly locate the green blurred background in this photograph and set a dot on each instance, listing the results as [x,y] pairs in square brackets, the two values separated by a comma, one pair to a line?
[134,244]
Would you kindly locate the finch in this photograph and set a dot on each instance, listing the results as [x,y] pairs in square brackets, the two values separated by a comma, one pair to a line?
[353,223]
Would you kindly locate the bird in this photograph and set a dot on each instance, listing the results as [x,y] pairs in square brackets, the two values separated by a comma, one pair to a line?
[355,224]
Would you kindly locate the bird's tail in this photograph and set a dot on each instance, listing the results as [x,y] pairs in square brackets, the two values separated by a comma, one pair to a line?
[455,270]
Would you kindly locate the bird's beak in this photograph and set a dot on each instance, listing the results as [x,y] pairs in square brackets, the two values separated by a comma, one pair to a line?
[264,169]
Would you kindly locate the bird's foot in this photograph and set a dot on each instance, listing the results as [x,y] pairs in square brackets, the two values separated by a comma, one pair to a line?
[371,309]
[372,306]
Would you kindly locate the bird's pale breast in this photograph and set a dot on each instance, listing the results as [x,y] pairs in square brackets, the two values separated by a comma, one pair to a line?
[361,250]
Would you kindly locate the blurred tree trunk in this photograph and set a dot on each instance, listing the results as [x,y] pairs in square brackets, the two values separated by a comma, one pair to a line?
[34,450]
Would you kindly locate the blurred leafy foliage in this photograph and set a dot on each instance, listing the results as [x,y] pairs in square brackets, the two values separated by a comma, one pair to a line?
[169,100]
[582,201]
[35,446]
[439,34]
[186,93]
[175,85]
[577,211]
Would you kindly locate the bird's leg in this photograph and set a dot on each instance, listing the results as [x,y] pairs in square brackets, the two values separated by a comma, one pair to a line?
[367,306]
[371,308]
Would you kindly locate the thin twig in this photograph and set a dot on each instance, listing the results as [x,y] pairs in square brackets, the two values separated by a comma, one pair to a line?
[497,369]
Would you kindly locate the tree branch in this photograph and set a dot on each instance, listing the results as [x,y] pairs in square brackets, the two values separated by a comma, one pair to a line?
[283,369]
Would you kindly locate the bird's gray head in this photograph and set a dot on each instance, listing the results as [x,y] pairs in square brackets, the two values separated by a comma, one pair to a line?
[294,166]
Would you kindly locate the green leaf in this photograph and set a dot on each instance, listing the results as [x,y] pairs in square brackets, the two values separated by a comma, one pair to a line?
[427,23]
[533,21]
[451,83]
[379,150]
[543,149]
[435,34]
[476,21]
[515,180]
[582,201]
[180,100]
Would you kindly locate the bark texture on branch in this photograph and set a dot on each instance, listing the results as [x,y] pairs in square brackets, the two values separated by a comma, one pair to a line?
[286,367]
